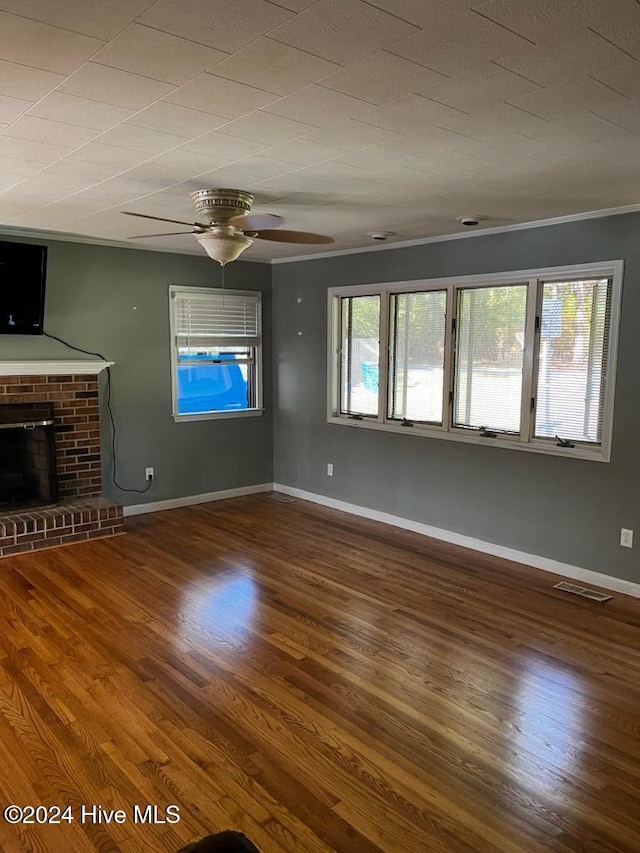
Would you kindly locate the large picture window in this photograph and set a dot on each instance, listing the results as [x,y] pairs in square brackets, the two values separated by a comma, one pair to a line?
[216,352]
[523,360]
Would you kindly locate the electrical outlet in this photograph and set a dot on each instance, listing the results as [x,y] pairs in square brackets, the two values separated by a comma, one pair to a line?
[149,474]
[626,538]
[329,469]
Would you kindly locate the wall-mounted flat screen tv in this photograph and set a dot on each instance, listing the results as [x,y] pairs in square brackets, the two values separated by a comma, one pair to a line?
[23,268]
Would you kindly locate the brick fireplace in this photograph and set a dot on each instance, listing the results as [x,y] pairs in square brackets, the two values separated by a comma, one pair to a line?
[80,512]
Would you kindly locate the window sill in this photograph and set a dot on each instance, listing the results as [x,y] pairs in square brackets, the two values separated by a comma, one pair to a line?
[596,454]
[215,416]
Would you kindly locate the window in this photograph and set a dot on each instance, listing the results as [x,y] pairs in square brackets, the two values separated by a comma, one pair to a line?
[574,335]
[416,362]
[360,361]
[523,360]
[489,357]
[216,352]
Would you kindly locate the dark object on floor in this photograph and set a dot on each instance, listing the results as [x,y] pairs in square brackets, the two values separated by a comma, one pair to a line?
[223,842]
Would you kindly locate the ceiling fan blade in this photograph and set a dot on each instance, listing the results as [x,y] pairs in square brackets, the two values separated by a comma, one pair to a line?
[166,234]
[256,221]
[293,237]
[163,219]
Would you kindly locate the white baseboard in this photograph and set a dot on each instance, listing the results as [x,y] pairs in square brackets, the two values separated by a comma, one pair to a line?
[586,576]
[190,500]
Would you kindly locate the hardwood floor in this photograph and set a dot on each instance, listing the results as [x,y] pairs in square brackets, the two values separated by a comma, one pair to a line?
[321,682]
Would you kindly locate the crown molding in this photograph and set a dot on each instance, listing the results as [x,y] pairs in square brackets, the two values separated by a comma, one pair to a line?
[68,237]
[53,368]
[483,232]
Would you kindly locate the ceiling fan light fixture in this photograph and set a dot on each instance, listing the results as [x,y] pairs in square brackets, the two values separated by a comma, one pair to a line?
[224,245]
[230,226]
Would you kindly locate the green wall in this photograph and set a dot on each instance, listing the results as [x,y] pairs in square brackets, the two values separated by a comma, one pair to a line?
[568,510]
[115,301]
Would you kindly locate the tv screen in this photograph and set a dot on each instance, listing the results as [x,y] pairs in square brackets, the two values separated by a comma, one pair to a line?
[22,283]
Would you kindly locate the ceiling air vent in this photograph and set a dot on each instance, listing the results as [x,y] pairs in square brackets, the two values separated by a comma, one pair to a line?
[600,597]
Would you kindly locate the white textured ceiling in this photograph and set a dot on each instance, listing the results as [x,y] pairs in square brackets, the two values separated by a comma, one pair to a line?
[343,116]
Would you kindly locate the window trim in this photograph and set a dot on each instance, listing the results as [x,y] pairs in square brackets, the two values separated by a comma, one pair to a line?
[613,269]
[258,409]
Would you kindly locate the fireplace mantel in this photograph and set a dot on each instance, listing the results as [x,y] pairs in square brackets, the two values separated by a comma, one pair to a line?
[53,368]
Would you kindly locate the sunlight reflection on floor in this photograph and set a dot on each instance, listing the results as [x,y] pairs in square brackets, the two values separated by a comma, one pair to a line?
[549,725]
[222,608]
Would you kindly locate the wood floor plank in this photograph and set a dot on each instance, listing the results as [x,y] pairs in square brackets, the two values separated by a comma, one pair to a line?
[324,683]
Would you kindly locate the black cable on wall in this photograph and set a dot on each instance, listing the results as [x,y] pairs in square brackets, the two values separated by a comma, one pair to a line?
[114,476]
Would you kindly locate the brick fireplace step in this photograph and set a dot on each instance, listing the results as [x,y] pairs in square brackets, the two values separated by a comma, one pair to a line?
[77,521]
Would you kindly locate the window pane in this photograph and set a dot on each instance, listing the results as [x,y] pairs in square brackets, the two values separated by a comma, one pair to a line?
[416,363]
[489,357]
[360,360]
[214,379]
[574,331]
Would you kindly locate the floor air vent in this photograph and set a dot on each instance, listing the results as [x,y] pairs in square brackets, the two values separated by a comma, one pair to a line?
[281,499]
[601,597]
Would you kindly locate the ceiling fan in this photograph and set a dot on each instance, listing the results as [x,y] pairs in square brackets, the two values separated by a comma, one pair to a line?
[230,228]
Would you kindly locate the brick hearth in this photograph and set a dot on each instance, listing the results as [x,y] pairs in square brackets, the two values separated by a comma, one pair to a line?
[93,518]
[82,513]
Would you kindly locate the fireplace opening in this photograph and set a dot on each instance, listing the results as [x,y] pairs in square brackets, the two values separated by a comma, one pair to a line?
[27,456]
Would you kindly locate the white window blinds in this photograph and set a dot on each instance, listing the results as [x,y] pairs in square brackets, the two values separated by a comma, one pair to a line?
[572,366]
[217,318]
